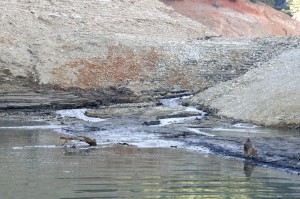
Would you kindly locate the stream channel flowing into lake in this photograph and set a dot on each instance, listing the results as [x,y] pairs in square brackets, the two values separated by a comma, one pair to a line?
[34,165]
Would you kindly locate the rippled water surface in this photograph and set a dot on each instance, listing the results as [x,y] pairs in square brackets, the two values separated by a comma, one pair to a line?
[34,165]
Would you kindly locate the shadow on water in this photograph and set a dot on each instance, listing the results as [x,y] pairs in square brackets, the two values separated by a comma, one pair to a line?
[31,168]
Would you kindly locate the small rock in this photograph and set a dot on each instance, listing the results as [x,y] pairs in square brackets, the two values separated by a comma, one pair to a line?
[157,122]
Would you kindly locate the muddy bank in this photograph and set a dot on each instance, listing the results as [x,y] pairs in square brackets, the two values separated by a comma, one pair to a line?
[179,126]
[47,97]
[279,151]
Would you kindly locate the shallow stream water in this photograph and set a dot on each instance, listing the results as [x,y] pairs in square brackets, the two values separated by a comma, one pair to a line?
[34,165]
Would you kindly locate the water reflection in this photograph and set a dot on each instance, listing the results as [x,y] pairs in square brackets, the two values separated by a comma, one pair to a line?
[73,151]
[248,168]
[121,171]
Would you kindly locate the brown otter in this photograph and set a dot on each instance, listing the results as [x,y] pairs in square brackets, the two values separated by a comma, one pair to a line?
[91,142]
[249,150]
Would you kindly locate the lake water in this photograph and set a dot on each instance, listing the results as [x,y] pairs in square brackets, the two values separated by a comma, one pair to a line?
[33,165]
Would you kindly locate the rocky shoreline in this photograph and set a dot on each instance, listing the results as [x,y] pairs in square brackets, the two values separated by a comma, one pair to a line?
[278,148]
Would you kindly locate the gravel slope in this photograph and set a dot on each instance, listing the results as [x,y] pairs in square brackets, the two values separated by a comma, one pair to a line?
[268,95]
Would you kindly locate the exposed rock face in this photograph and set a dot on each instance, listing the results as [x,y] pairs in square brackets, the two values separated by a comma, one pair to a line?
[268,95]
[238,18]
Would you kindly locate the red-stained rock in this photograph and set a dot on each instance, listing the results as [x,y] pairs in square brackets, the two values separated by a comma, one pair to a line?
[238,18]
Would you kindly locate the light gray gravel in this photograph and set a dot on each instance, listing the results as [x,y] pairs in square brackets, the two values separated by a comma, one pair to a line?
[268,95]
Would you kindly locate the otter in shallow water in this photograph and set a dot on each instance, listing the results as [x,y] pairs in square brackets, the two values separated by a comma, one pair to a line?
[249,150]
[91,142]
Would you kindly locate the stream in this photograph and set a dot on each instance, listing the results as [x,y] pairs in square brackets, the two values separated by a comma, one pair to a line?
[130,161]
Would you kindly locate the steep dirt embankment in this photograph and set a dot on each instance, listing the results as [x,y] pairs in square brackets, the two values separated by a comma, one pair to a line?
[103,46]
[238,18]
[140,44]
[90,44]
[97,46]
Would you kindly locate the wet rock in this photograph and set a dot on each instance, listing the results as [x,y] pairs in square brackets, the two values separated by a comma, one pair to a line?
[124,91]
[142,110]
[110,112]
[19,97]
[176,93]
[123,144]
[151,123]
[179,114]
[179,134]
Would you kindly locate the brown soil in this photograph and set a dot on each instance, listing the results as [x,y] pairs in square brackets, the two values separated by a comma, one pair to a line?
[237,18]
